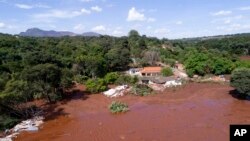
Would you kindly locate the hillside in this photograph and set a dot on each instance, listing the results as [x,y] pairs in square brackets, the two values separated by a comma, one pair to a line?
[36,32]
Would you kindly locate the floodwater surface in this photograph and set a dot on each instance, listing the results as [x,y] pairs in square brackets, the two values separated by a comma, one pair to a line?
[201,112]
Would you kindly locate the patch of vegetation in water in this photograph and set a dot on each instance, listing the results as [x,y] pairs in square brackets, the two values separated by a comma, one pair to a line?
[118,107]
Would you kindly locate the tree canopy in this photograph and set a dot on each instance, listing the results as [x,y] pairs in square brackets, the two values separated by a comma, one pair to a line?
[43,67]
[241,81]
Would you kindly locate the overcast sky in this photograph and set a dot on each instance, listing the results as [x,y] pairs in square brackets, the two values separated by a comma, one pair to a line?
[160,18]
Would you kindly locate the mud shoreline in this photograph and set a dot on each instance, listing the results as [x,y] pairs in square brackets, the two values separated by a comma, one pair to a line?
[194,112]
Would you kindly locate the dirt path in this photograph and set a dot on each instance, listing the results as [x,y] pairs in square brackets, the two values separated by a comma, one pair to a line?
[200,112]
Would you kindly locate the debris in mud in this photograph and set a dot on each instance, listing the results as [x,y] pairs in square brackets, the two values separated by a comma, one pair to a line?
[30,125]
[156,87]
[218,79]
[117,91]
[173,83]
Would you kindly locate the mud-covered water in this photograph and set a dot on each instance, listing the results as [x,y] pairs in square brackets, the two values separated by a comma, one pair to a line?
[200,112]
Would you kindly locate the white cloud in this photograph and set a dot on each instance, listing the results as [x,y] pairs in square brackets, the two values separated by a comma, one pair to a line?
[2,25]
[96,8]
[149,27]
[179,22]
[238,17]
[99,28]
[79,27]
[137,15]
[24,6]
[162,31]
[136,26]
[110,5]
[61,14]
[228,21]
[234,27]
[222,13]
[244,8]
[58,14]
[151,19]
[134,15]
[5,26]
[85,11]
[117,33]
[39,5]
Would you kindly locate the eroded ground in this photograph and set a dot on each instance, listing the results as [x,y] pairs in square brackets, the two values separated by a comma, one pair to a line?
[199,112]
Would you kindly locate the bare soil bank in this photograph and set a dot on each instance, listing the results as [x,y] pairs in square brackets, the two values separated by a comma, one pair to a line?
[200,112]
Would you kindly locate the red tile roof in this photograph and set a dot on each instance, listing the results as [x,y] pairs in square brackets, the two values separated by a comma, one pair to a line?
[151,70]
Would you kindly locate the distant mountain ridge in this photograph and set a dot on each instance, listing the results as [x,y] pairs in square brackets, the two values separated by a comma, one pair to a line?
[191,39]
[36,32]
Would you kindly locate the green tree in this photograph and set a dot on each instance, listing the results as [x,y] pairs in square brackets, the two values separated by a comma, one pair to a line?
[46,78]
[91,65]
[118,59]
[166,71]
[242,64]
[111,77]
[66,78]
[198,63]
[222,66]
[126,80]
[96,85]
[15,97]
[133,34]
[241,81]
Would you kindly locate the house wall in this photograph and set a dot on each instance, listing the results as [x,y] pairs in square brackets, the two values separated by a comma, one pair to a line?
[151,74]
[134,72]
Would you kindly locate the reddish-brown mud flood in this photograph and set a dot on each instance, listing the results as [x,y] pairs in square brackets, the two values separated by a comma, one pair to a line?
[195,112]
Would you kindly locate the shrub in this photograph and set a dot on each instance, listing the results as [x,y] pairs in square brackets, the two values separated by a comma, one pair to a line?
[141,90]
[190,73]
[81,79]
[7,122]
[241,81]
[66,80]
[171,62]
[118,107]
[4,77]
[111,77]
[167,71]
[125,79]
[243,64]
[96,85]
[222,66]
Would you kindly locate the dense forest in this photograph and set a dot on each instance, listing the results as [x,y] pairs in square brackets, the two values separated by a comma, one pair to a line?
[42,68]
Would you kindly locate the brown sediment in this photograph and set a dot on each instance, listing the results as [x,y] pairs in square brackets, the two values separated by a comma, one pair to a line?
[196,111]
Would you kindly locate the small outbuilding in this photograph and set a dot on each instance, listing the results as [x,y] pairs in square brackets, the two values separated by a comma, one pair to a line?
[134,71]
